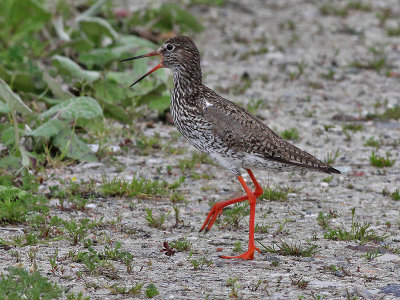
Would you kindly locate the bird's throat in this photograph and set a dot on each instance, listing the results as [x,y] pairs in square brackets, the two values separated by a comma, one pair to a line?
[187,81]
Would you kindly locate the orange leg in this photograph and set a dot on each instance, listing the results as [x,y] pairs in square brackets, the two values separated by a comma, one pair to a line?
[216,210]
[249,254]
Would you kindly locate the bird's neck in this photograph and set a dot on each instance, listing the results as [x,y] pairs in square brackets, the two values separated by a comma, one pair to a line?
[187,82]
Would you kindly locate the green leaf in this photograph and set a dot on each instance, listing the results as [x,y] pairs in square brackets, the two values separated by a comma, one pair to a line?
[80,43]
[95,28]
[67,141]
[5,74]
[25,162]
[51,101]
[172,13]
[56,88]
[59,28]
[167,17]
[159,103]
[8,136]
[97,57]
[10,162]
[125,79]
[158,99]
[110,91]
[110,95]
[117,112]
[21,18]
[133,40]
[71,68]
[13,101]
[104,56]
[4,108]
[75,108]
[93,10]
[48,129]
[148,88]
[23,81]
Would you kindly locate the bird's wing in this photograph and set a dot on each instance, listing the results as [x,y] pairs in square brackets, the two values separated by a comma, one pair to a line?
[242,131]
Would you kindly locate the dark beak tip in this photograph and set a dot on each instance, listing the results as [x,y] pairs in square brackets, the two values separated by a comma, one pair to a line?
[141,56]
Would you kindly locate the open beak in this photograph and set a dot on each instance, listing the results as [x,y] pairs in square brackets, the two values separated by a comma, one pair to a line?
[151,71]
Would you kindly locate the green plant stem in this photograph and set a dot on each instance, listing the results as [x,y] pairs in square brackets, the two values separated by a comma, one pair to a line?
[16,130]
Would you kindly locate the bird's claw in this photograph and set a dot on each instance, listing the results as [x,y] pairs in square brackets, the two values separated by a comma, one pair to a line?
[214,213]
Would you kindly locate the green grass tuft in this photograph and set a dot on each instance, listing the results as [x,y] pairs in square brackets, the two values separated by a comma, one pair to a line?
[290,134]
[395,195]
[138,186]
[180,245]
[371,142]
[331,157]
[154,221]
[331,10]
[353,127]
[286,249]
[275,194]
[233,215]
[381,162]
[359,232]
[389,114]
[393,31]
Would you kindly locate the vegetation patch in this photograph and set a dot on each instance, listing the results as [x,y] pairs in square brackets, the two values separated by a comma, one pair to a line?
[286,249]
[16,204]
[138,186]
[359,232]
[380,161]
[20,284]
[275,193]
[290,134]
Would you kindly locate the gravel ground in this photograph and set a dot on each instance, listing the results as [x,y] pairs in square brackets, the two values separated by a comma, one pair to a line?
[298,62]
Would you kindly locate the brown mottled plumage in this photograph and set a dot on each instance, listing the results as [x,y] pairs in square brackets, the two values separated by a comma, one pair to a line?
[233,137]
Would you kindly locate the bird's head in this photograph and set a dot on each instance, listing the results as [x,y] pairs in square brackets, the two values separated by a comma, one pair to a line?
[178,53]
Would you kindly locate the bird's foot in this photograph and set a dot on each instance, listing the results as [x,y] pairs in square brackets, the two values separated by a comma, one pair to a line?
[248,255]
[214,213]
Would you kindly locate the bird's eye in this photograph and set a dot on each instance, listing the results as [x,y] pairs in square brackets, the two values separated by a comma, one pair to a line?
[170,47]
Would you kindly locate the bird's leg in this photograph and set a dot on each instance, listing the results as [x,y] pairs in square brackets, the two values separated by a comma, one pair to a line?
[216,210]
[258,192]
[249,254]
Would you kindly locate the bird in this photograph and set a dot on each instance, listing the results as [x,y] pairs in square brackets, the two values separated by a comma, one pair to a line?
[233,137]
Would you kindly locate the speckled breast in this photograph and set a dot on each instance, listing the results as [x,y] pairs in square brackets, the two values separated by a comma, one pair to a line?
[191,124]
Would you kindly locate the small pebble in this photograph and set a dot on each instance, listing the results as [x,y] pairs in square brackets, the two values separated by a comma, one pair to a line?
[324,184]
[339,273]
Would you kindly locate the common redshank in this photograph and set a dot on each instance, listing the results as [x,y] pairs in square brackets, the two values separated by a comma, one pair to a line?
[230,135]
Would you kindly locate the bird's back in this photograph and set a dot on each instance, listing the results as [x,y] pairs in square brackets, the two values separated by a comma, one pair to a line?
[260,147]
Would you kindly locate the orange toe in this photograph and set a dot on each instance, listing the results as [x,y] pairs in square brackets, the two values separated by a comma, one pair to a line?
[212,216]
[248,255]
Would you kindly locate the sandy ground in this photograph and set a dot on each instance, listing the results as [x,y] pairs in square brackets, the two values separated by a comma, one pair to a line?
[270,44]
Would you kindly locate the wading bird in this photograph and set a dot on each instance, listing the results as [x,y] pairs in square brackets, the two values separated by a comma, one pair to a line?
[230,135]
